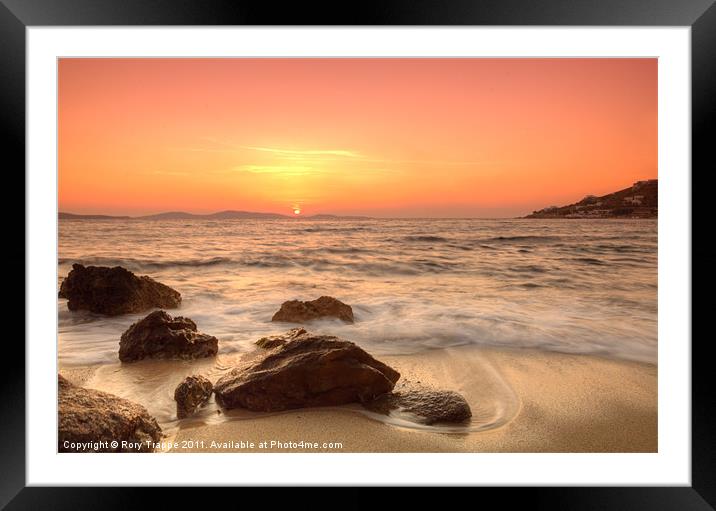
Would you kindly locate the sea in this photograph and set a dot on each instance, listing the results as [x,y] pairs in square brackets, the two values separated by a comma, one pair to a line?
[570,286]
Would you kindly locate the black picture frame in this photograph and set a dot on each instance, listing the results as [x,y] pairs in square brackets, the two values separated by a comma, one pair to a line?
[700,15]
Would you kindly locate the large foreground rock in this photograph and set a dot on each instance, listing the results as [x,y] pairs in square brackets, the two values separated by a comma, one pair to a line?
[307,370]
[160,336]
[114,291]
[90,416]
[296,311]
[191,393]
[425,406]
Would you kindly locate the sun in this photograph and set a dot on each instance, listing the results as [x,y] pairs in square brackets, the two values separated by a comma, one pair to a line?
[296,211]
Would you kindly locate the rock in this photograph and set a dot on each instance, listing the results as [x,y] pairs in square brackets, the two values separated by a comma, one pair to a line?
[90,416]
[160,336]
[191,393]
[114,291]
[307,370]
[295,311]
[426,406]
[278,340]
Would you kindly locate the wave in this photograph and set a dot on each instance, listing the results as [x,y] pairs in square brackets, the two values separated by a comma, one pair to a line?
[530,285]
[321,265]
[334,229]
[146,263]
[345,250]
[532,238]
[372,268]
[438,239]
[460,247]
[590,260]
[529,268]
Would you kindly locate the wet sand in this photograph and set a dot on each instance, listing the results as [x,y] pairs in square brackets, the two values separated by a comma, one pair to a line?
[558,403]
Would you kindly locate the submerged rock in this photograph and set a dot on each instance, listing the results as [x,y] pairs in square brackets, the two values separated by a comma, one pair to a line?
[160,336]
[307,370]
[114,291]
[296,311]
[95,419]
[191,393]
[278,340]
[426,406]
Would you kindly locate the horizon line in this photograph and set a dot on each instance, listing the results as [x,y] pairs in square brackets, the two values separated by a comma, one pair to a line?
[295,217]
[283,215]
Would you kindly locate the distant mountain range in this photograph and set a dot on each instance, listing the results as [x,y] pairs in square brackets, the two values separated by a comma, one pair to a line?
[638,201]
[72,216]
[221,215]
[641,200]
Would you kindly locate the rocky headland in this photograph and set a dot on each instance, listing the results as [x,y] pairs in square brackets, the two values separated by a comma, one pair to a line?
[641,200]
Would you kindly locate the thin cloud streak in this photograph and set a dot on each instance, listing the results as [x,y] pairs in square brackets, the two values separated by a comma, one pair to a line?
[310,152]
[278,169]
[324,155]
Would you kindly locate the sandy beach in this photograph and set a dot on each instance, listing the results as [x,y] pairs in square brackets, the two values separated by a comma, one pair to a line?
[548,402]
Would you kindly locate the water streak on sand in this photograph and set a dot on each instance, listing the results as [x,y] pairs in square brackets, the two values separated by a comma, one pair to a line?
[152,382]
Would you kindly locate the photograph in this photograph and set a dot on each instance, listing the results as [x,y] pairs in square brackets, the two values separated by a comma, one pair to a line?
[357,255]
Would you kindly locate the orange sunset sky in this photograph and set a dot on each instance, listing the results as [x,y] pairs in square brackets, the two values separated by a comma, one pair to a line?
[380,137]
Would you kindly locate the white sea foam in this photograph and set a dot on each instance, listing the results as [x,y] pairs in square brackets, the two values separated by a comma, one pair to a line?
[571,286]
